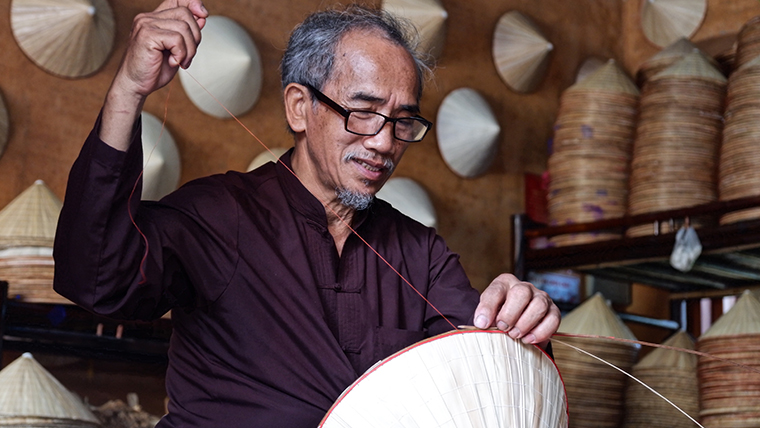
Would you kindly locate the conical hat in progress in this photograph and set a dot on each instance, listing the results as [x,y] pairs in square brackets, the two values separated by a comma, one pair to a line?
[4,126]
[228,65]
[467,132]
[743,318]
[692,65]
[520,52]
[30,392]
[465,378]
[161,161]
[271,155]
[30,219]
[665,21]
[69,38]
[407,196]
[609,77]
[668,358]
[428,16]
[595,317]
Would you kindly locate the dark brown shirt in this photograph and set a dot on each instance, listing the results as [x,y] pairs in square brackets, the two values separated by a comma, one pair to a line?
[270,324]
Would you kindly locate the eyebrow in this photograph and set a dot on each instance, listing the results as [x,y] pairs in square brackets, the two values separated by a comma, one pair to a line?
[363,96]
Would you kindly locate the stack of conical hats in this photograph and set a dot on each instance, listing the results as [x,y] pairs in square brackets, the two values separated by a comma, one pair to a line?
[31,397]
[592,145]
[677,139]
[747,43]
[595,391]
[667,57]
[673,374]
[27,229]
[520,52]
[730,393]
[739,168]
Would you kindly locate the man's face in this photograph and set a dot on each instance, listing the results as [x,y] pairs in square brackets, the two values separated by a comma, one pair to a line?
[370,73]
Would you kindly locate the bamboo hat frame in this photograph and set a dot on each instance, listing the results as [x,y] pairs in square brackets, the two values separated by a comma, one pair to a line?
[68,38]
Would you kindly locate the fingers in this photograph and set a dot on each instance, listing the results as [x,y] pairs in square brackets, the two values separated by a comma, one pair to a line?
[174,30]
[518,308]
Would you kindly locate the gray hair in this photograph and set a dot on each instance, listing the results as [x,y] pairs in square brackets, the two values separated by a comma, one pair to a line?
[309,57]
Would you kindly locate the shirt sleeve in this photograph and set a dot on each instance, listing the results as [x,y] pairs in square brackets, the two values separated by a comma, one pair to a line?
[123,258]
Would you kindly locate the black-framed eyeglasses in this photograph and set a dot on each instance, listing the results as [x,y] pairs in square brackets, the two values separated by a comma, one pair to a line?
[368,123]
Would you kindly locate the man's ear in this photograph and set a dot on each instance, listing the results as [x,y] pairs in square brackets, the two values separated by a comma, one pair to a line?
[297,101]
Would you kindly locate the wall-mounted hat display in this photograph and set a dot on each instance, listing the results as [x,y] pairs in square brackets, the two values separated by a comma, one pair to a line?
[467,132]
[271,155]
[161,160]
[69,38]
[428,16]
[520,52]
[407,196]
[665,21]
[228,65]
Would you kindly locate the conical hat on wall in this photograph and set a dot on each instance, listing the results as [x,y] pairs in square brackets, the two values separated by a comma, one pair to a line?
[467,132]
[520,52]
[30,393]
[271,155]
[70,38]
[407,196]
[743,318]
[665,21]
[595,317]
[228,65]
[161,160]
[428,16]
[30,219]
[460,379]
[4,125]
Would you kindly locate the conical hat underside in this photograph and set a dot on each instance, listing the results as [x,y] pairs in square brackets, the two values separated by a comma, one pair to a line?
[456,380]
[70,38]
[608,78]
[271,155]
[161,160]
[668,358]
[520,52]
[28,390]
[595,317]
[743,318]
[4,126]
[665,21]
[228,65]
[31,218]
[468,132]
[407,196]
[428,16]
[694,65]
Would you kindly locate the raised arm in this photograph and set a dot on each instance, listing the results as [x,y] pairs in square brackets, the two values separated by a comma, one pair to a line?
[159,43]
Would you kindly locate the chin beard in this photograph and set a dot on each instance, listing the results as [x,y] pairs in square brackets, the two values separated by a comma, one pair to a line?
[356,200]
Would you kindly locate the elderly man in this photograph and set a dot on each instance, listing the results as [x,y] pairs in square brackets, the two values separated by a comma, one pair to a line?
[279,298]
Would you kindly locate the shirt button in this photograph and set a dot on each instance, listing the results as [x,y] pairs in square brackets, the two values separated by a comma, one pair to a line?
[337,287]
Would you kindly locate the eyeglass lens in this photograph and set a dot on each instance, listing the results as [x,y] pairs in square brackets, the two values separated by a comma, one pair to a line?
[370,123]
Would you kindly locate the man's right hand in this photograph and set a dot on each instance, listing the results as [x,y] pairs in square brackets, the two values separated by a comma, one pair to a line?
[159,43]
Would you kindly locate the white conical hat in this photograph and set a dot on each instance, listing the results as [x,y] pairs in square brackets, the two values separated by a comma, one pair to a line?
[29,391]
[70,38]
[665,21]
[271,155]
[467,132]
[4,125]
[460,379]
[228,65]
[595,317]
[161,160]
[428,16]
[520,52]
[407,196]
[743,318]
[30,219]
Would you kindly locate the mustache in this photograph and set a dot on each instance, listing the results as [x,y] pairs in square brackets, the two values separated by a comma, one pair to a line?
[369,156]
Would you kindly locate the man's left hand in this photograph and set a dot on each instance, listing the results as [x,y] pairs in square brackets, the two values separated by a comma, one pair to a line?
[518,308]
